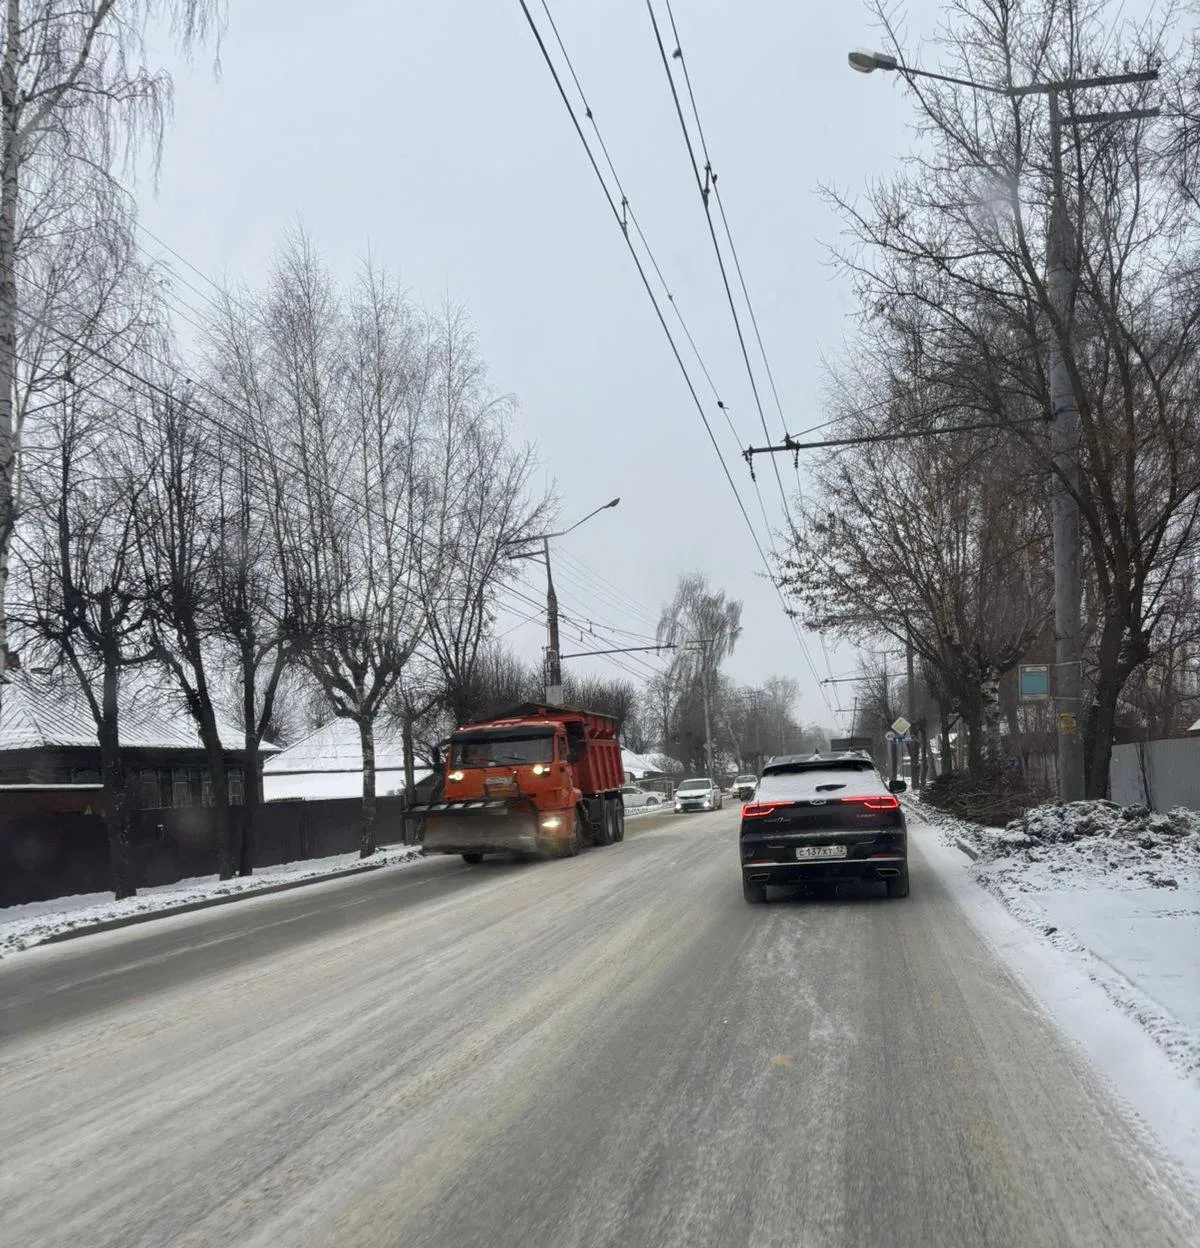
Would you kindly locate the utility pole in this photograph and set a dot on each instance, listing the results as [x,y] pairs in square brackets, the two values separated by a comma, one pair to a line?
[887,710]
[708,753]
[1064,447]
[554,692]
[914,746]
[553,664]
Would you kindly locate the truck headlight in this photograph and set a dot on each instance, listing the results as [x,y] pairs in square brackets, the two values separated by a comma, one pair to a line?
[540,769]
[550,821]
[455,775]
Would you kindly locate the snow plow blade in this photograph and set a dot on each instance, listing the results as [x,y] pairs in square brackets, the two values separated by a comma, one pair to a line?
[482,827]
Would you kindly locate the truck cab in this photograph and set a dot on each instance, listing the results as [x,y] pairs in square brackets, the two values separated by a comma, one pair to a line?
[538,781]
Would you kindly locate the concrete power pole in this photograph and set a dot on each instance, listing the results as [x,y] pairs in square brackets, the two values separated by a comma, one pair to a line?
[914,746]
[1064,446]
[708,752]
[554,692]
[887,710]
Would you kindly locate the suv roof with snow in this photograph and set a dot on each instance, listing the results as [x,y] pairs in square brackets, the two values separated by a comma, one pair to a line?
[858,760]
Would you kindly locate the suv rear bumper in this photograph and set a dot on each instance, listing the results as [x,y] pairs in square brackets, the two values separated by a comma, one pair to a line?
[870,854]
[821,870]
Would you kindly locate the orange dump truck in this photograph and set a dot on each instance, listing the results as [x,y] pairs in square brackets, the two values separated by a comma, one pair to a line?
[539,781]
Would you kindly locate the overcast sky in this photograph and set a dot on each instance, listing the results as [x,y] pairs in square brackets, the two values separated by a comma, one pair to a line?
[433,134]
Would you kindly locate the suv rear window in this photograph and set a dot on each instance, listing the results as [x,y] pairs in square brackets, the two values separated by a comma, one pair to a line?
[847,779]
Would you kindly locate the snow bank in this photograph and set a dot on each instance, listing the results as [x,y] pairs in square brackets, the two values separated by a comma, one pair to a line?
[24,926]
[1118,888]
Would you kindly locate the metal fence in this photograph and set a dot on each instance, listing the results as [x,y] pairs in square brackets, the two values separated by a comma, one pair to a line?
[1158,774]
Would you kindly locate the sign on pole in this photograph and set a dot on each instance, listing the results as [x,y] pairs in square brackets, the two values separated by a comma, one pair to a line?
[889,735]
[1033,682]
[901,726]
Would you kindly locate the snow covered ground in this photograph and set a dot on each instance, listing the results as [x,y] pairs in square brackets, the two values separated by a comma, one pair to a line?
[1109,898]
[34,923]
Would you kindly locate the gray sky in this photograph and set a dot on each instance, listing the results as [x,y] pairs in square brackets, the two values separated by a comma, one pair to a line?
[434,135]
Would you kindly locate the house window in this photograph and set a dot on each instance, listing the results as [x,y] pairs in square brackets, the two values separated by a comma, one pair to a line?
[149,790]
[85,775]
[181,794]
[206,790]
[236,789]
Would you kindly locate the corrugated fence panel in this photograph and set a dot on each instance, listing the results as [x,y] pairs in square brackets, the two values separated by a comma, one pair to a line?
[1158,774]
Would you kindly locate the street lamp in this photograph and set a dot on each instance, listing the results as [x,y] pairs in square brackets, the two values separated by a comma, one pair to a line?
[1064,419]
[553,661]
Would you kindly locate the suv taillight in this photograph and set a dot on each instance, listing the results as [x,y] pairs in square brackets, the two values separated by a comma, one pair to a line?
[882,802]
[758,810]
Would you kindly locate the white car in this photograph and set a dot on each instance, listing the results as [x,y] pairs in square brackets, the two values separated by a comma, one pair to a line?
[703,794]
[634,797]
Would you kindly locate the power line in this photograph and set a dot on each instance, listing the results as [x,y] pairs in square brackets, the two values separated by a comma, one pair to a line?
[537,34]
[708,186]
[737,264]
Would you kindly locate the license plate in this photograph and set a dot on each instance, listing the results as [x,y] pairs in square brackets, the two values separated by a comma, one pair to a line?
[820,851]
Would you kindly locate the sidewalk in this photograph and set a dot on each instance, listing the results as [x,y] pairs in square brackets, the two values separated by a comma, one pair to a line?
[41,922]
[1118,890]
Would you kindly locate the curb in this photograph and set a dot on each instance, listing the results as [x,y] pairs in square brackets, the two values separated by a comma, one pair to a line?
[967,848]
[206,903]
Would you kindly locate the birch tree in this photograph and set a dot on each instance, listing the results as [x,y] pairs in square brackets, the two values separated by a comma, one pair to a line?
[74,97]
[256,610]
[353,375]
[484,507]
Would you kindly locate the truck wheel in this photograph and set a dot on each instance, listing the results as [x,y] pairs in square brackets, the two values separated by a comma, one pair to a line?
[473,859]
[610,822]
[619,832]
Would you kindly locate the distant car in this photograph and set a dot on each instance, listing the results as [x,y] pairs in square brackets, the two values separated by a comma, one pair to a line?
[823,817]
[634,797]
[744,786]
[702,794]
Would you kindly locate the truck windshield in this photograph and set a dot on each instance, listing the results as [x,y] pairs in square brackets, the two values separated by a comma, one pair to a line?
[501,751]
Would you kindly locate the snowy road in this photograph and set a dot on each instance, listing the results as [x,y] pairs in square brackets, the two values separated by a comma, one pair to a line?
[610,1050]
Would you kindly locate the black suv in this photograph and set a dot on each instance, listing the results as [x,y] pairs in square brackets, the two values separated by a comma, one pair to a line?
[824,817]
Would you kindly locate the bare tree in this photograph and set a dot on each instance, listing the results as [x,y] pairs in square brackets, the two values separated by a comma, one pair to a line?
[258,615]
[179,534]
[942,543]
[961,236]
[82,595]
[73,90]
[352,378]
[704,627]
[615,697]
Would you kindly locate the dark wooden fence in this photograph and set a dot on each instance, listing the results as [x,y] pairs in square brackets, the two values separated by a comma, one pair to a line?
[49,855]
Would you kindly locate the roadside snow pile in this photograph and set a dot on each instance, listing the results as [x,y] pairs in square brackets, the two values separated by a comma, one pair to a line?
[1118,887]
[1098,838]
[21,927]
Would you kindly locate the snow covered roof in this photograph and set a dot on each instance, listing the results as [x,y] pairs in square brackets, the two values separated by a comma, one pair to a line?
[637,766]
[36,716]
[315,785]
[335,746]
[1195,727]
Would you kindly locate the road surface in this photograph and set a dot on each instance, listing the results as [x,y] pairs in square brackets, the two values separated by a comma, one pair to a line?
[609,1050]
